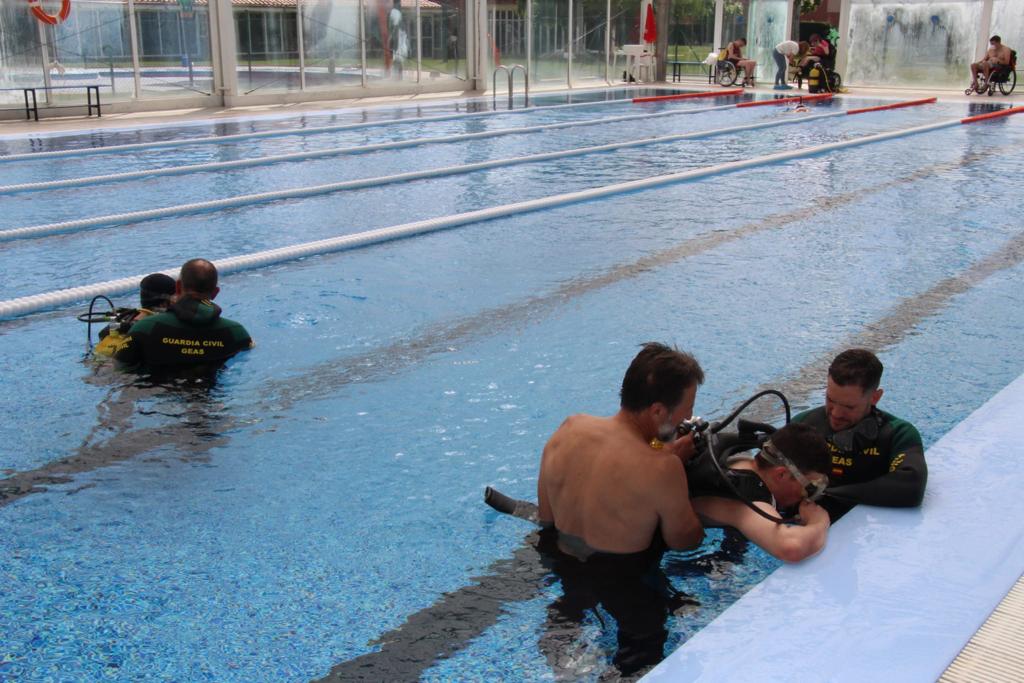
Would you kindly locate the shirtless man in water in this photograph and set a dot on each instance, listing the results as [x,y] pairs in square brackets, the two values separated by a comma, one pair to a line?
[611,485]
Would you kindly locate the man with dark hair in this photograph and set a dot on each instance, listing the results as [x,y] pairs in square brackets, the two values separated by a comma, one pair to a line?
[612,495]
[155,293]
[788,471]
[877,458]
[191,332]
[612,486]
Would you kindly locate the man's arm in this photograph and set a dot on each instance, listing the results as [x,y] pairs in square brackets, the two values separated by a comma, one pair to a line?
[787,542]
[680,526]
[905,482]
[544,514]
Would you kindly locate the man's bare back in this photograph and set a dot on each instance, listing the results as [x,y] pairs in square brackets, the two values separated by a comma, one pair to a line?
[603,482]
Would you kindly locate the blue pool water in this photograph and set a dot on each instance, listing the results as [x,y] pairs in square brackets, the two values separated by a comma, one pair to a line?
[328,489]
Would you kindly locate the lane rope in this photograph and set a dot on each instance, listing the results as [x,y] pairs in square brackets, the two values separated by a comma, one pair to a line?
[336,151]
[220,139]
[131,217]
[49,300]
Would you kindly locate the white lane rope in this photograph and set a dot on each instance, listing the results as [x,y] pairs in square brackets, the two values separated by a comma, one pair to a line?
[220,139]
[35,231]
[49,300]
[337,151]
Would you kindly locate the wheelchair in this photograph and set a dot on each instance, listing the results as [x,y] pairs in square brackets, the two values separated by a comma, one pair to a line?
[829,81]
[1004,78]
[726,73]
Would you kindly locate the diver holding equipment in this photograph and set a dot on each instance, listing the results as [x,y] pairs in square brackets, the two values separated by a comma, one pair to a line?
[710,471]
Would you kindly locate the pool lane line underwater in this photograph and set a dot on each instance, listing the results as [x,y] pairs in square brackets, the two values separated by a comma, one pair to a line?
[360,149]
[339,151]
[134,217]
[324,379]
[315,130]
[414,646]
[39,302]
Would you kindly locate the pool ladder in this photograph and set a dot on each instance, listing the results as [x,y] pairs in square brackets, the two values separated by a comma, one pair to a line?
[510,72]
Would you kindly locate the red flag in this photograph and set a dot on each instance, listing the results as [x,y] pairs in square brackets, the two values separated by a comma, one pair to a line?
[650,26]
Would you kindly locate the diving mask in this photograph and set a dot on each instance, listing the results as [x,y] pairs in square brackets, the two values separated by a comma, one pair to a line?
[813,489]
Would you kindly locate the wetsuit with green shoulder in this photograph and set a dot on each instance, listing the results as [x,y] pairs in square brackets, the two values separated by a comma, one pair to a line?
[878,461]
[191,332]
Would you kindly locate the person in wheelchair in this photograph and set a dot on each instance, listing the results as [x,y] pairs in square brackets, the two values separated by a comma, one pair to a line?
[997,65]
[734,54]
[818,67]
[819,51]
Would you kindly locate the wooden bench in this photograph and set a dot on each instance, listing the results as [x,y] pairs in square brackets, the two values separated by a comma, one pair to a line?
[32,109]
[677,69]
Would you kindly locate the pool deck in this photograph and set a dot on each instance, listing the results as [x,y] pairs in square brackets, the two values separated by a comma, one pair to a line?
[873,604]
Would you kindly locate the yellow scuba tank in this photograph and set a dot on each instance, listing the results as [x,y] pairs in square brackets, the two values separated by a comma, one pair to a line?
[109,343]
[814,79]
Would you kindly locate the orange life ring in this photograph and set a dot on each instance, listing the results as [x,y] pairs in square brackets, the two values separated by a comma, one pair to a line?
[52,20]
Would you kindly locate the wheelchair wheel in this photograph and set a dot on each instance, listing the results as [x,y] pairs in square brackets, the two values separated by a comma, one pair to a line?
[1007,86]
[726,73]
[836,81]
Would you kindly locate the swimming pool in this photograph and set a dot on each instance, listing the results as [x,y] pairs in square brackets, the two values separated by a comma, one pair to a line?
[327,491]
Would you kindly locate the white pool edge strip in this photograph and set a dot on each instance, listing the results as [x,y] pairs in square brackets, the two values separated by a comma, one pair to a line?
[65,227]
[336,151]
[39,302]
[897,593]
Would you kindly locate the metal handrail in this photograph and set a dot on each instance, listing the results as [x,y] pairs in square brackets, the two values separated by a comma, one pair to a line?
[494,83]
[510,73]
[526,81]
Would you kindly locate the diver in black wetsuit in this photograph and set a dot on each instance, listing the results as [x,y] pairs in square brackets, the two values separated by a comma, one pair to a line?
[877,458]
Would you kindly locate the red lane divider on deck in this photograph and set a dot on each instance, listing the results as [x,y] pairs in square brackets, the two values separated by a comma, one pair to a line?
[690,95]
[786,100]
[994,115]
[896,105]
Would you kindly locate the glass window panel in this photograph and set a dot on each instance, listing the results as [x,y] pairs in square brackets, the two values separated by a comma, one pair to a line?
[330,35]
[444,40]
[21,57]
[267,42]
[734,21]
[1008,24]
[508,31]
[174,48]
[550,42]
[912,43]
[590,24]
[90,47]
[691,35]
[766,28]
[400,44]
[378,53]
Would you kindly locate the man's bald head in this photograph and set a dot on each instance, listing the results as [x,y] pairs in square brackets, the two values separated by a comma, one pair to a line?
[199,278]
